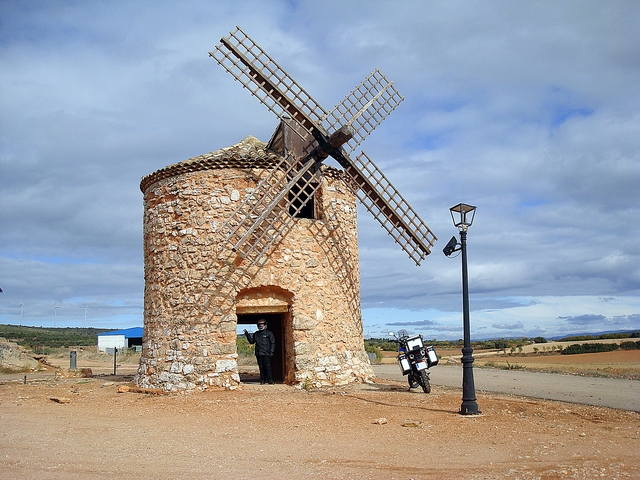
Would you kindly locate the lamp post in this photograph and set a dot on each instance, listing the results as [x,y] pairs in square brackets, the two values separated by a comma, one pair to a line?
[462,215]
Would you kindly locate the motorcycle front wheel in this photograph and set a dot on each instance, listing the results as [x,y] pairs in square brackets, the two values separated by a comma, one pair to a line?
[424,381]
[413,382]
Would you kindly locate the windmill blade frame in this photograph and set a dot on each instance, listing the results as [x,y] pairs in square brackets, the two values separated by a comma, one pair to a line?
[390,208]
[365,107]
[266,217]
[246,61]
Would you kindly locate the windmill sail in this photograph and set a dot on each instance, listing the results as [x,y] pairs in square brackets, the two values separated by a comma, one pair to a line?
[391,210]
[265,216]
[364,108]
[249,64]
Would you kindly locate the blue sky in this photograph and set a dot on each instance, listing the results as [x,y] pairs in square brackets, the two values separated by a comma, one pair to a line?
[529,110]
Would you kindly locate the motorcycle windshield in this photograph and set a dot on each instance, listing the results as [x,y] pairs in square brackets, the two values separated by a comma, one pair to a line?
[414,343]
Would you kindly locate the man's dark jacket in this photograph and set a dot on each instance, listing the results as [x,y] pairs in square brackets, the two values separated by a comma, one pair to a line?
[264,340]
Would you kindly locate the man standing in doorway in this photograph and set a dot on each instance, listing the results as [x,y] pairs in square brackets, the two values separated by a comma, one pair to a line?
[265,346]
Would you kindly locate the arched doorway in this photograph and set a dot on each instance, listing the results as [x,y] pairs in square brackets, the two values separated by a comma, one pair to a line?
[273,304]
[275,322]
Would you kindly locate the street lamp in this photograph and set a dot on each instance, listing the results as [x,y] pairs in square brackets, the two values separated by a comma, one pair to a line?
[462,215]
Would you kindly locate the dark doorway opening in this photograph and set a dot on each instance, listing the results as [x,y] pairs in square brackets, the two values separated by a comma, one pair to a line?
[275,323]
[134,341]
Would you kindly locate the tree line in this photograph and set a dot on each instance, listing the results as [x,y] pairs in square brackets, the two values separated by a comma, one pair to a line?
[516,344]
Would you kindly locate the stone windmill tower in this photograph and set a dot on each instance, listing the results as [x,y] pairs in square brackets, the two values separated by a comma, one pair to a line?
[267,231]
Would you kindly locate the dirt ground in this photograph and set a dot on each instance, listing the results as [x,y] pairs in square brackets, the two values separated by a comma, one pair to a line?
[83,428]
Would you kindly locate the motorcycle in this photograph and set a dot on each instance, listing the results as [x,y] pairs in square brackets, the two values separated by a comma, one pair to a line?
[415,359]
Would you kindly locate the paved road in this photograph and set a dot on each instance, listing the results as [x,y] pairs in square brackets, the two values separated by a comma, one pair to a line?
[604,392]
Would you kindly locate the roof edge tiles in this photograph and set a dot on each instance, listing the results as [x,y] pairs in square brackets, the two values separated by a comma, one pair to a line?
[249,153]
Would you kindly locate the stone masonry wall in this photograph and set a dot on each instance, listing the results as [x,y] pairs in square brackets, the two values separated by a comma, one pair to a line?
[193,281]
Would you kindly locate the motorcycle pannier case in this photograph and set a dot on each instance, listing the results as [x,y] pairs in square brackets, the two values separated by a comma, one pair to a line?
[405,366]
[432,357]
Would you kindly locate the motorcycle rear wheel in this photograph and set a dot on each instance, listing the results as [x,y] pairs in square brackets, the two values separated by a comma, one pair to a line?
[424,381]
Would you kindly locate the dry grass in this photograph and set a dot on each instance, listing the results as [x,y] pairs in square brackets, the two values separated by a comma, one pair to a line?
[617,364]
[5,369]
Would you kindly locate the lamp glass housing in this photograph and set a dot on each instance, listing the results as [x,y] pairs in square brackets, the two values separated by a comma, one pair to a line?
[462,215]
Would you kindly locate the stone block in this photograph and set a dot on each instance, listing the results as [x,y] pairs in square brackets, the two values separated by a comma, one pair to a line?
[305,362]
[226,366]
[222,349]
[304,322]
[303,348]
[227,327]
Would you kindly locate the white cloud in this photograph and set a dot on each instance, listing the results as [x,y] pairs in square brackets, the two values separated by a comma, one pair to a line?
[527,110]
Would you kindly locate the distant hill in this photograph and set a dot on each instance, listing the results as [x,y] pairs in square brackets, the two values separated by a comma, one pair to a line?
[617,333]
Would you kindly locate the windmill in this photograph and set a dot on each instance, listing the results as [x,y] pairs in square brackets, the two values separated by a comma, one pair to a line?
[264,217]
[216,258]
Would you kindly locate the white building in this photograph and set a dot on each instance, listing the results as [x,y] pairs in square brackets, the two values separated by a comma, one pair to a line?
[127,338]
